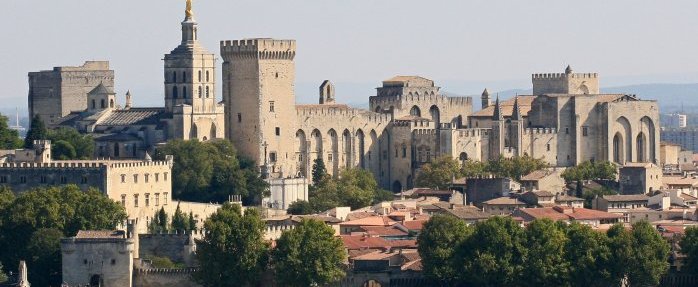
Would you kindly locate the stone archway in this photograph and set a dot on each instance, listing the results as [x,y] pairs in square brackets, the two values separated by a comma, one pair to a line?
[371,283]
[618,154]
[212,134]
[641,149]
[415,111]
[397,186]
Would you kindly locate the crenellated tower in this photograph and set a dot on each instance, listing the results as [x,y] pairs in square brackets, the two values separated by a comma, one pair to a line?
[258,90]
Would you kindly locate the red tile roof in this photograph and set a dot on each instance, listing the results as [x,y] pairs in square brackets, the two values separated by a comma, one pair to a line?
[370,221]
[414,224]
[353,242]
[568,213]
[383,231]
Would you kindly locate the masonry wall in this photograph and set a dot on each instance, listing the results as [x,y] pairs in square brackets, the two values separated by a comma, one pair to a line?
[109,259]
[164,278]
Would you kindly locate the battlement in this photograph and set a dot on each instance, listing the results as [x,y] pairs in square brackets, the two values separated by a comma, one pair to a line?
[85,164]
[165,271]
[424,132]
[263,48]
[343,113]
[552,76]
[529,131]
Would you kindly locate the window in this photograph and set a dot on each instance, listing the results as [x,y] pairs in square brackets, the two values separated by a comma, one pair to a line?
[547,147]
[146,177]
[123,178]
[300,157]
[385,155]
[93,104]
[404,151]
[239,117]
[271,106]
[278,131]
[272,156]
[207,92]
[184,92]
[207,78]
[200,92]
[135,178]
[396,152]
[199,76]
[43,179]
[123,200]
[175,92]
[102,104]
[135,200]
[184,77]
[157,199]
[369,155]
[64,180]
[147,199]
[329,157]
[164,176]
[157,177]
[83,180]
[113,262]
[585,131]
[174,77]
[164,198]
[567,130]
[3,179]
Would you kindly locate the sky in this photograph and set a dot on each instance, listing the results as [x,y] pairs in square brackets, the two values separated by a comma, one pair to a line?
[464,45]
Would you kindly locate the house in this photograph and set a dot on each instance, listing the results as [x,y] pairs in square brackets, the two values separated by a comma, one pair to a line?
[680,182]
[568,214]
[502,205]
[544,179]
[640,178]
[567,200]
[469,214]
[479,190]
[540,198]
[348,227]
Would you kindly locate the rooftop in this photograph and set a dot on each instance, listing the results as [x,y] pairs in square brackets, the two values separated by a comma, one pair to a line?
[568,213]
[504,201]
[101,234]
[507,107]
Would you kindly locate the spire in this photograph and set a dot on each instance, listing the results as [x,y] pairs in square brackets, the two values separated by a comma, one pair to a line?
[189,13]
[485,93]
[568,70]
[516,113]
[147,157]
[485,99]
[129,102]
[497,115]
[189,29]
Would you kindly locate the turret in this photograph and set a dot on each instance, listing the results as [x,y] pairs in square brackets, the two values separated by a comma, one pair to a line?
[327,92]
[100,98]
[485,99]
[129,102]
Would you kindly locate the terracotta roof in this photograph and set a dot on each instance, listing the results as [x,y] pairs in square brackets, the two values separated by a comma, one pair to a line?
[507,107]
[542,193]
[359,215]
[370,221]
[687,196]
[567,213]
[353,242]
[431,192]
[565,198]
[93,234]
[626,197]
[412,118]
[376,255]
[504,201]
[383,231]
[536,175]
[413,266]
[414,224]
[467,213]
[679,180]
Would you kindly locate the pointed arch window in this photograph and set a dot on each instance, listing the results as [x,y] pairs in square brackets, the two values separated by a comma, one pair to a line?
[207,92]
[175,92]
[207,77]
[200,92]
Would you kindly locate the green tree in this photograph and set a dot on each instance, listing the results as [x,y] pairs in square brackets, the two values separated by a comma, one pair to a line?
[515,167]
[545,263]
[211,172]
[588,254]
[9,138]
[382,195]
[439,173]
[233,251]
[650,259]
[30,220]
[620,243]
[300,207]
[192,222]
[73,144]
[3,276]
[159,223]
[589,194]
[437,245]
[319,171]
[689,246]
[37,131]
[590,170]
[494,254]
[6,198]
[309,255]
[180,221]
[354,187]
[44,247]
[63,150]
[473,168]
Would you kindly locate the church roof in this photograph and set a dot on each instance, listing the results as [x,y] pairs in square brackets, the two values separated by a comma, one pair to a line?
[507,107]
[134,116]
[408,81]
[101,89]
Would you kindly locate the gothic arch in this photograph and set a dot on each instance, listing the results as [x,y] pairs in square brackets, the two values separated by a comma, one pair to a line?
[212,134]
[301,151]
[647,126]
[618,146]
[194,133]
[332,160]
[415,111]
[374,153]
[435,115]
[175,92]
[641,147]
[361,144]
[397,186]
[378,109]
[346,146]
[623,126]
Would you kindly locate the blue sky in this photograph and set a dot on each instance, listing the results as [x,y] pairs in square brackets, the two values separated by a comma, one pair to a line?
[464,46]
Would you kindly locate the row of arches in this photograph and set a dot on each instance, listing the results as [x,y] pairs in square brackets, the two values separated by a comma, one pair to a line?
[194,133]
[202,91]
[634,144]
[183,79]
[338,151]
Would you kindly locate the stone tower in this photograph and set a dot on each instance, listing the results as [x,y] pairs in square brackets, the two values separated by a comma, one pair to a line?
[101,98]
[498,132]
[258,90]
[190,86]
[566,83]
[485,99]
[516,129]
[327,92]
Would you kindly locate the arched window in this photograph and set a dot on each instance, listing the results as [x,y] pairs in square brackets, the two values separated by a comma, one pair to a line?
[207,91]
[175,91]
[174,77]
[111,103]
[94,104]
[184,77]
[199,76]
[102,104]
[200,92]
[415,111]
[184,92]
[207,77]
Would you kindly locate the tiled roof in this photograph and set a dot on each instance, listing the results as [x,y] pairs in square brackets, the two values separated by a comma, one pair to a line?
[567,213]
[507,107]
[134,116]
[116,137]
[412,118]
[626,197]
[679,180]
[504,201]
[536,175]
[414,224]
[542,193]
[353,242]
[383,231]
[370,221]
[566,198]
[109,234]
[467,213]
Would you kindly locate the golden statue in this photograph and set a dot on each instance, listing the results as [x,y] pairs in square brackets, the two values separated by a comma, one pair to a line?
[189,13]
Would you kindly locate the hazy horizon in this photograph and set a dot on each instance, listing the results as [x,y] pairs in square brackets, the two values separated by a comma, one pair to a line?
[464,46]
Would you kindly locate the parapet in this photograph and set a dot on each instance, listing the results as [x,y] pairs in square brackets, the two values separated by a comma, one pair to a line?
[262,48]
[563,76]
[540,131]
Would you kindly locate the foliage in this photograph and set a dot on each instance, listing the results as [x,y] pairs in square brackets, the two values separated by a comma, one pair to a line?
[30,225]
[300,207]
[68,143]
[590,170]
[3,276]
[689,246]
[545,263]
[589,194]
[309,255]
[355,188]
[9,138]
[211,172]
[164,262]
[640,255]
[191,221]
[438,243]
[159,223]
[440,172]
[37,131]
[319,171]
[589,255]
[180,222]
[494,254]
[233,251]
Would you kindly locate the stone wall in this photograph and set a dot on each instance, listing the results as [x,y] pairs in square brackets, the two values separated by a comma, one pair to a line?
[164,278]
[177,247]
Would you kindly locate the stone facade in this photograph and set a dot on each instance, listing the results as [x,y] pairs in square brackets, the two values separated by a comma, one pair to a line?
[56,93]
[97,258]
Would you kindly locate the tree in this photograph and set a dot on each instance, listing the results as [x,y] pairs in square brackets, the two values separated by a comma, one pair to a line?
[211,172]
[620,244]
[159,223]
[37,131]
[300,207]
[515,167]
[179,221]
[689,246]
[439,173]
[233,251]
[319,171]
[3,276]
[354,187]
[63,150]
[191,221]
[588,254]
[28,225]
[494,254]
[650,260]
[473,168]
[590,170]
[68,143]
[9,138]
[437,245]
[309,255]
[545,263]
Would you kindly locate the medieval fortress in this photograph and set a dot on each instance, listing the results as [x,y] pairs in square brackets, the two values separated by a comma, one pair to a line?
[566,120]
